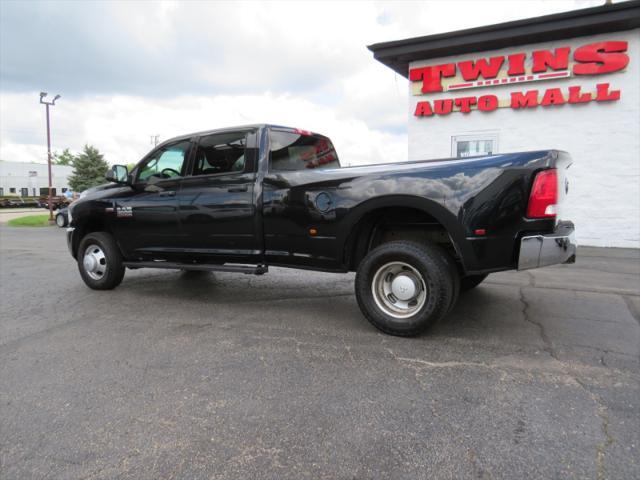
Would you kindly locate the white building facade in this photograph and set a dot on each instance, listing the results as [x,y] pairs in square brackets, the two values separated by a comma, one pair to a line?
[578,91]
[21,179]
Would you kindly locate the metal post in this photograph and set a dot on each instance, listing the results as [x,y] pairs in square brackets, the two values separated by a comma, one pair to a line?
[49,163]
[53,102]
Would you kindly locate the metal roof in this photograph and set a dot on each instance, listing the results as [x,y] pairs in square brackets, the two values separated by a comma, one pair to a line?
[588,21]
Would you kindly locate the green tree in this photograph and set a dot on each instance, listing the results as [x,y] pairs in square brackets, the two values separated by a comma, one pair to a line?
[64,158]
[89,168]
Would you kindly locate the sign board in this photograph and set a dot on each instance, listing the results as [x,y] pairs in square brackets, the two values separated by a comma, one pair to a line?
[541,65]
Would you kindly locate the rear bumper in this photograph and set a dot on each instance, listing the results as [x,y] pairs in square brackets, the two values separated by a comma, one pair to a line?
[551,249]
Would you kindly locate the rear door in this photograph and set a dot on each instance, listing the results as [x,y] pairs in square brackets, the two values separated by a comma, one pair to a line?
[216,201]
[298,206]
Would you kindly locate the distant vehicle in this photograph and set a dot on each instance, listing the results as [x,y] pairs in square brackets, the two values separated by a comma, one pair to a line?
[243,199]
[62,217]
[12,202]
[57,201]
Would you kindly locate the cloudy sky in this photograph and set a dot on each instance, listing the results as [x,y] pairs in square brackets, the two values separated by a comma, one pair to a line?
[127,70]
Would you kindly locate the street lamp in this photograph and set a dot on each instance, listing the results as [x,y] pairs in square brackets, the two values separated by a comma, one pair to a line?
[47,104]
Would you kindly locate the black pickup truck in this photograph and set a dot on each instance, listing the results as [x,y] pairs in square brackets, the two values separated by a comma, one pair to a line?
[246,198]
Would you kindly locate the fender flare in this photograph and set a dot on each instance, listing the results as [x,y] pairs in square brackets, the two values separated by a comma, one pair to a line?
[441,214]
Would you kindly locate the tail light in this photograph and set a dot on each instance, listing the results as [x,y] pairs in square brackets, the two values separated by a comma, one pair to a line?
[544,195]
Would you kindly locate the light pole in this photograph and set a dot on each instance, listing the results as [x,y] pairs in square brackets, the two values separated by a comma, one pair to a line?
[47,104]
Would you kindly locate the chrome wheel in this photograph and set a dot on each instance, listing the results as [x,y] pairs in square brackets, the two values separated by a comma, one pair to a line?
[60,220]
[399,290]
[94,262]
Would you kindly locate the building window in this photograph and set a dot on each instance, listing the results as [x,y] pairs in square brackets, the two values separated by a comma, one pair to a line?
[64,190]
[474,145]
[24,192]
[12,190]
[1,191]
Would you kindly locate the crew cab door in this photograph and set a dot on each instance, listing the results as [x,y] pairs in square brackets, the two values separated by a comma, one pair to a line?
[216,201]
[146,222]
[300,227]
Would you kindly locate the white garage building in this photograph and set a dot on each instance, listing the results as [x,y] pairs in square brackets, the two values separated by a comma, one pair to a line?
[569,81]
[22,179]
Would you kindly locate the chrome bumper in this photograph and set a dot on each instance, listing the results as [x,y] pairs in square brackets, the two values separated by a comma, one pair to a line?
[70,240]
[551,249]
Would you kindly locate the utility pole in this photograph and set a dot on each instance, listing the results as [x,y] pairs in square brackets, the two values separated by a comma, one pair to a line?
[47,104]
[155,139]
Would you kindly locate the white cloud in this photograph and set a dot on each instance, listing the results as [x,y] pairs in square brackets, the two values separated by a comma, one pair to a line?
[120,125]
[128,70]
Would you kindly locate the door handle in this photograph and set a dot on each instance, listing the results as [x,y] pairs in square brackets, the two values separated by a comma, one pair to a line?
[237,189]
[170,193]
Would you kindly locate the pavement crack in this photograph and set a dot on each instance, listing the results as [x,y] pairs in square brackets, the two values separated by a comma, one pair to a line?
[602,413]
[546,341]
[632,308]
[349,352]
[452,364]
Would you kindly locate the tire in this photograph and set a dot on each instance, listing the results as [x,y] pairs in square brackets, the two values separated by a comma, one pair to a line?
[60,220]
[101,250]
[429,284]
[472,281]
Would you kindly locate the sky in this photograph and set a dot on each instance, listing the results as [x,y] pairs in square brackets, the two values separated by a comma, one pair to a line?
[128,70]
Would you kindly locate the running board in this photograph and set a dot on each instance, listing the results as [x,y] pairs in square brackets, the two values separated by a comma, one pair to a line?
[208,267]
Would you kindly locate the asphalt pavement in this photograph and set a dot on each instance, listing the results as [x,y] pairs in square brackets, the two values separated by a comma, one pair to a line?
[228,376]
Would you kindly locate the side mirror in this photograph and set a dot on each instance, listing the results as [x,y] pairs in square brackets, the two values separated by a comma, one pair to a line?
[118,174]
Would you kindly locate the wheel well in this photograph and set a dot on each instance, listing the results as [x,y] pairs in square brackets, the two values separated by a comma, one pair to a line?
[82,230]
[396,223]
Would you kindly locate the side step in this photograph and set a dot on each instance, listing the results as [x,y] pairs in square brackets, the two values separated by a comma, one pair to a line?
[248,269]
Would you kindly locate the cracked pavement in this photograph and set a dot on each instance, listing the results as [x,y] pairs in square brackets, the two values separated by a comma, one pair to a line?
[173,375]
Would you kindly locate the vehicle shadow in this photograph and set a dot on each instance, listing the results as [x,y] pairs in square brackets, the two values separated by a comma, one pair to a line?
[325,301]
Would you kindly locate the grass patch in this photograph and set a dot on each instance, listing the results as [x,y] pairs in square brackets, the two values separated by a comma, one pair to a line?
[30,221]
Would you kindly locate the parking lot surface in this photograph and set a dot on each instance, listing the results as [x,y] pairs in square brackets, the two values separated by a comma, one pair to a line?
[174,375]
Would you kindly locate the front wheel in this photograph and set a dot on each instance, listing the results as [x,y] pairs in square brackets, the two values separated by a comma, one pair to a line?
[100,261]
[404,287]
[61,221]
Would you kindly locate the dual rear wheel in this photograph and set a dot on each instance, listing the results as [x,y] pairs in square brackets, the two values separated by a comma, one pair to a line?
[404,287]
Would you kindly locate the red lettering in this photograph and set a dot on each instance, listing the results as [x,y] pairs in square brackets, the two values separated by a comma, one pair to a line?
[465,103]
[601,57]
[529,99]
[553,96]
[443,107]
[432,76]
[423,109]
[471,70]
[576,95]
[487,103]
[544,59]
[516,64]
[604,95]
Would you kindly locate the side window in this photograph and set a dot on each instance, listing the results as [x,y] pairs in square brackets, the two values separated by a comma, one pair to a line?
[166,162]
[221,153]
[293,151]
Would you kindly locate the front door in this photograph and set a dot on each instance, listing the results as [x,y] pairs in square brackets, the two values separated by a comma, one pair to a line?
[216,202]
[147,220]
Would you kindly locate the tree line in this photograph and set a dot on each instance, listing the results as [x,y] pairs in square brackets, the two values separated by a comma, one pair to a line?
[89,167]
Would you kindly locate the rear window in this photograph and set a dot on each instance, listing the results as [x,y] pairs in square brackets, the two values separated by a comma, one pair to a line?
[296,151]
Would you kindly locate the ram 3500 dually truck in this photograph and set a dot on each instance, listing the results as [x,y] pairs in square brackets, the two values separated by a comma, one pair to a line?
[243,199]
